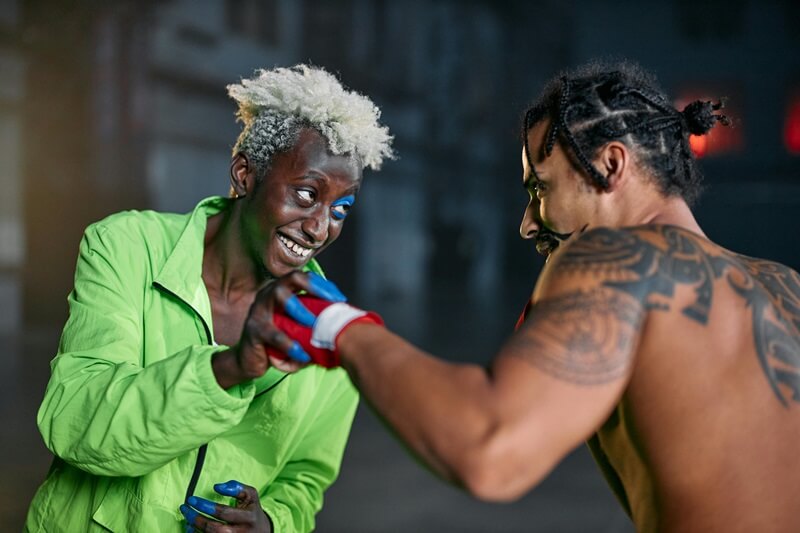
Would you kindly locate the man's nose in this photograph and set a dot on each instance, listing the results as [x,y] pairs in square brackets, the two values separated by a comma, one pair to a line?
[316,226]
[530,221]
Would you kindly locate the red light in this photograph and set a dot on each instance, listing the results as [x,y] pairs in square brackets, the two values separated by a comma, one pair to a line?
[791,130]
[721,140]
[699,145]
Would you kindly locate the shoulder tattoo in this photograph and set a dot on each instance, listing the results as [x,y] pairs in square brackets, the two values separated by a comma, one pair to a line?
[587,336]
[582,337]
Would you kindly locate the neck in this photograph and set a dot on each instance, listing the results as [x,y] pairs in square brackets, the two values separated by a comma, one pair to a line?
[646,205]
[673,211]
[228,267]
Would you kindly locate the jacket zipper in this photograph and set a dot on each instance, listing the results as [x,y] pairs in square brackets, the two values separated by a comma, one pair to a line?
[201,452]
[198,467]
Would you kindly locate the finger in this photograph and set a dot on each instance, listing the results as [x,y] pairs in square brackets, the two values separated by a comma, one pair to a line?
[319,286]
[299,312]
[283,291]
[245,494]
[284,364]
[280,291]
[189,514]
[280,346]
[226,513]
[232,488]
[237,517]
[274,337]
[297,353]
[197,521]
[201,504]
[205,524]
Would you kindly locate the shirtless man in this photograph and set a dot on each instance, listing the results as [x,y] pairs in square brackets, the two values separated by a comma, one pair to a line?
[677,359]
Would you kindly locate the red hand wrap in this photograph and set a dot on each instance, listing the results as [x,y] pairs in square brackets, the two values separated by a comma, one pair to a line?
[302,334]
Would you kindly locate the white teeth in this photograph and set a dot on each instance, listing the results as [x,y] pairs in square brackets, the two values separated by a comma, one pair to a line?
[294,247]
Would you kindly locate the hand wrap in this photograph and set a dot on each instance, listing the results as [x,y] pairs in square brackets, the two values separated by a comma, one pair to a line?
[319,340]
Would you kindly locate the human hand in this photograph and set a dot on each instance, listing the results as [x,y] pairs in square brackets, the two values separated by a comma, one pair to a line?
[249,359]
[316,323]
[247,515]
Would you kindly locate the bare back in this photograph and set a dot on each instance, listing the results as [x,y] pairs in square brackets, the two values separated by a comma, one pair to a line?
[705,435]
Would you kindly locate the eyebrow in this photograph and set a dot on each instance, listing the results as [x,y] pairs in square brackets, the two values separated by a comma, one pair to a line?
[317,176]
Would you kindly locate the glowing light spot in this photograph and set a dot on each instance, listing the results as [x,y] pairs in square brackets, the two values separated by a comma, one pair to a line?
[699,145]
[721,140]
[791,130]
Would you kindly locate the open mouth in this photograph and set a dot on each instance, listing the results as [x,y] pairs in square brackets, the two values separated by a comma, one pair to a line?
[294,248]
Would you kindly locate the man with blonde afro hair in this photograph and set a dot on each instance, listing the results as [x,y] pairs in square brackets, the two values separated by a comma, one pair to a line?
[155,422]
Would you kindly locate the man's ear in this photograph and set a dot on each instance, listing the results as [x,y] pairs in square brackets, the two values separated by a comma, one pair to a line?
[243,176]
[613,162]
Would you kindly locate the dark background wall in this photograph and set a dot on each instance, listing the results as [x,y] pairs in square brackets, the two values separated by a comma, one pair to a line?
[118,105]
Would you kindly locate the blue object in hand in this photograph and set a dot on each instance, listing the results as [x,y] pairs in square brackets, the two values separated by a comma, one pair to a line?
[324,289]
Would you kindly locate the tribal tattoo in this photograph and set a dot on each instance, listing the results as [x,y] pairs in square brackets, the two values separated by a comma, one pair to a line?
[773,292]
[582,337]
[640,271]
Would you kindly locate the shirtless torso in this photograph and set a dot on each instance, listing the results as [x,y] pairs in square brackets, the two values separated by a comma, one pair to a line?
[704,436]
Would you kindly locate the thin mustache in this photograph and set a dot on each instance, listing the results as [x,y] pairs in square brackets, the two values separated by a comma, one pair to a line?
[551,235]
[546,233]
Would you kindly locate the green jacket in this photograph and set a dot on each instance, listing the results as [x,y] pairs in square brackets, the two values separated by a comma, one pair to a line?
[132,397]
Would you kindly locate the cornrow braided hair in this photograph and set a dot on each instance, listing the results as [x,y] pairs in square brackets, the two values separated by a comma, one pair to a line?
[599,102]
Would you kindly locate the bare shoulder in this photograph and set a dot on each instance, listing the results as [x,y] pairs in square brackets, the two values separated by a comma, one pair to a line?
[656,259]
[650,264]
[642,261]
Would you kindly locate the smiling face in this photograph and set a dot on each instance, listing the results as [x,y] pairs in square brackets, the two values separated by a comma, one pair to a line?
[299,208]
[562,201]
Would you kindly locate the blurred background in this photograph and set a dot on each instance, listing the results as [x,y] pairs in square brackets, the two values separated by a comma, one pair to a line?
[113,105]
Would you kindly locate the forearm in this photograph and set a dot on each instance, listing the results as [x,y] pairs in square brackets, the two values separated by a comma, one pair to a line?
[442,411]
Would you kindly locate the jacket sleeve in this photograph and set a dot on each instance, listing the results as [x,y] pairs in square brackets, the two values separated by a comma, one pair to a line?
[295,496]
[103,411]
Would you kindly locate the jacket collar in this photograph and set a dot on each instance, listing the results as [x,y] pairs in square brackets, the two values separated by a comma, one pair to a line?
[182,273]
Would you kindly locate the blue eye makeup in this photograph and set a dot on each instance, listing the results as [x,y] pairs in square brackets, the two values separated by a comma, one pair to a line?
[340,207]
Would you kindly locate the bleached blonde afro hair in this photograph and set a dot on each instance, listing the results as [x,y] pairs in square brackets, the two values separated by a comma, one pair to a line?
[275,105]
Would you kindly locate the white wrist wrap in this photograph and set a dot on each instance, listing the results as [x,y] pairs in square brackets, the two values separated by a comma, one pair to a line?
[330,322]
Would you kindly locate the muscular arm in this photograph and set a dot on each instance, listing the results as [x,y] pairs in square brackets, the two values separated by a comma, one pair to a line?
[499,431]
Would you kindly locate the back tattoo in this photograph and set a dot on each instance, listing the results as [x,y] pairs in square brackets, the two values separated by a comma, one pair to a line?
[585,336]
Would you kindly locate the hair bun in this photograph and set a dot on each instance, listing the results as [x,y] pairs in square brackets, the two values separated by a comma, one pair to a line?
[700,117]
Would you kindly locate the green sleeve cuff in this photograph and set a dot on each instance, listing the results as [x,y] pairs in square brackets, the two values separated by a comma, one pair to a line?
[237,397]
[275,512]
